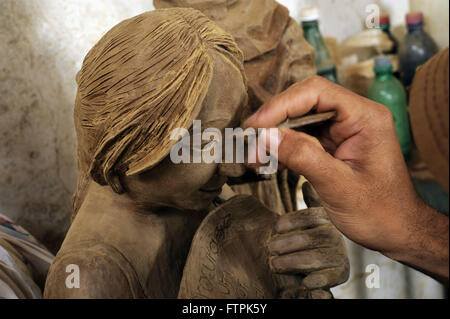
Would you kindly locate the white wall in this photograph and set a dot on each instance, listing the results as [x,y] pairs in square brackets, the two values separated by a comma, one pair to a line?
[339,19]
[436,18]
[42,46]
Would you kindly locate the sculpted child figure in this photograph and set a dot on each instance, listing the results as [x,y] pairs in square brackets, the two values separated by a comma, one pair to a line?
[276,55]
[136,213]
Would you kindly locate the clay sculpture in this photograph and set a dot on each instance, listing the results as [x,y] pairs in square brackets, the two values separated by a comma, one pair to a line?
[136,212]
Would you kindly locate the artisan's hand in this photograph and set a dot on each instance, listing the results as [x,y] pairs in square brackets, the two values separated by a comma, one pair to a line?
[307,243]
[358,170]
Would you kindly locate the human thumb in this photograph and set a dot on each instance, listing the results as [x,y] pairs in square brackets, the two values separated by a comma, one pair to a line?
[304,155]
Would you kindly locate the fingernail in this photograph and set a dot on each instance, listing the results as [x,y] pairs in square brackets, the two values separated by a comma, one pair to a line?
[274,137]
[274,247]
[315,281]
[321,294]
[250,120]
[275,263]
[285,224]
[252,150]
[271,138]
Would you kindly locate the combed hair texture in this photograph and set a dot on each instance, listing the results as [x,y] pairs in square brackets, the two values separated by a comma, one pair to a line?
[147,76]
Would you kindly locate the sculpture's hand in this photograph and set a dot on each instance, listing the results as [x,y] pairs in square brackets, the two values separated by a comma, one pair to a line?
[307,243]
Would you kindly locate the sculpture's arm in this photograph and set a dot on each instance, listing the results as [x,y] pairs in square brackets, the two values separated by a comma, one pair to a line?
[86,275]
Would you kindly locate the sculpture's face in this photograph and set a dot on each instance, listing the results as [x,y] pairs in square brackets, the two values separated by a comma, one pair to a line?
[193,186]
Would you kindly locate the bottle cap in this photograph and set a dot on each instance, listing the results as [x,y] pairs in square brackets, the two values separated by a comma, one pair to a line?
[414,18]
[309,14]
[385,19]
[382,62]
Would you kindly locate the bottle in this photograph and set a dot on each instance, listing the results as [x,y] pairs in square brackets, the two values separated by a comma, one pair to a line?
[389,91]
[385,26]
[417,49]
[324,64]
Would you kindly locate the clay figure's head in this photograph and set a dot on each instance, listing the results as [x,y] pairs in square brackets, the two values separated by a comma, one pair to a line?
[147,76]
[276,54]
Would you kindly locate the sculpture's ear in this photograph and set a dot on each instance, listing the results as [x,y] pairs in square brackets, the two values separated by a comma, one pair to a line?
[112,179]
[116,184]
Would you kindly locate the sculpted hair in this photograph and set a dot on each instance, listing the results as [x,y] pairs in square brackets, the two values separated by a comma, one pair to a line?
[147,76]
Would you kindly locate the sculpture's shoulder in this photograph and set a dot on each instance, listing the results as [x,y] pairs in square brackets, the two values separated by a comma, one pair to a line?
[92,271]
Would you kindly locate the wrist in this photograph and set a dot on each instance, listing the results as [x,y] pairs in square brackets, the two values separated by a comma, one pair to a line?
[423,244]
[403,234]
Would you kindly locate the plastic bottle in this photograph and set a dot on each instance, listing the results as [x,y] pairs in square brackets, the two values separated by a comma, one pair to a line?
[324,64]
[389,91]
[385,26]
[417,49]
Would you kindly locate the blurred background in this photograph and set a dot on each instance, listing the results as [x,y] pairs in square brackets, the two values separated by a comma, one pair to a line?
[42,46]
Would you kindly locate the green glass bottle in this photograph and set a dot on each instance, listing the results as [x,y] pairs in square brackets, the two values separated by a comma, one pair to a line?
[324,64]
[385,26]
[389,91]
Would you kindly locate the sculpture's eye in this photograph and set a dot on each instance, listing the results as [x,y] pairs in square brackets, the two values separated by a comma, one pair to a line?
[206,146]
[209,146]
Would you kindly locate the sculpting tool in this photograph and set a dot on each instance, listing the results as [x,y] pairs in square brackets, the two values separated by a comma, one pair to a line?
[295,123]
[303,121]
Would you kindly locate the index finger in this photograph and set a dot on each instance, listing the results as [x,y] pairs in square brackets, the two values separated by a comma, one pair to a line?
[313,93]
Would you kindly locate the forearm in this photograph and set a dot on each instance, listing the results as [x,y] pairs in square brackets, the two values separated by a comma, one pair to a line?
[425,245]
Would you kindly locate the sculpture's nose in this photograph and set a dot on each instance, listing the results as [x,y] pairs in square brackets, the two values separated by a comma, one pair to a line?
[231,170]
